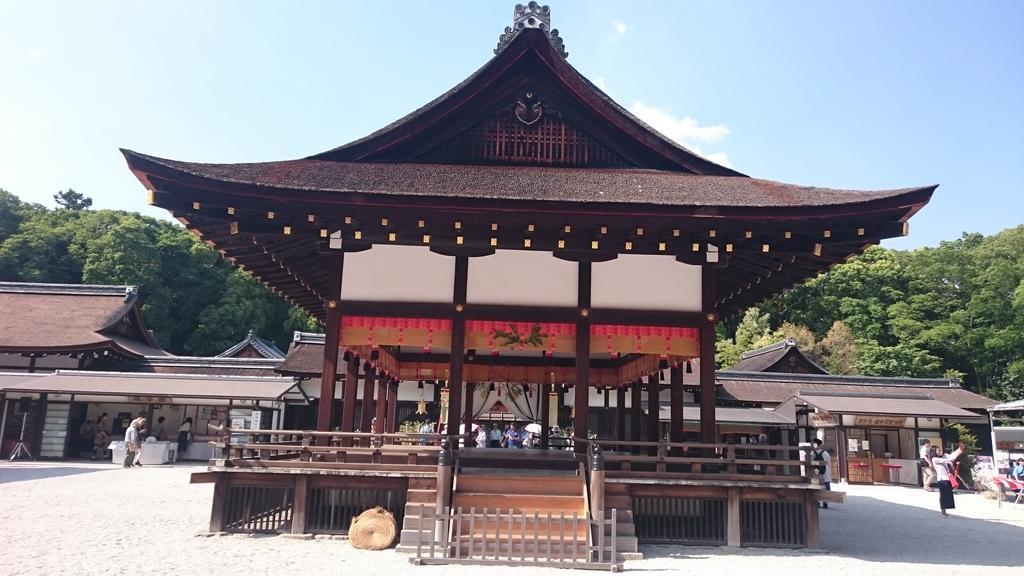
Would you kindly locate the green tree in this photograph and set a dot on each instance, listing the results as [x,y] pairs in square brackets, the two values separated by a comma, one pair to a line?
[839,350]
[71,200]
[753,331]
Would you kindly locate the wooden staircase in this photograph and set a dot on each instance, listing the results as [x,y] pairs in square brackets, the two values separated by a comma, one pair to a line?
[422,492]
[539,514]
[617,496]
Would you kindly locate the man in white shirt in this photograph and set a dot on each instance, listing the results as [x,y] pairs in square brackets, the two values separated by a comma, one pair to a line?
[943,464]
[927,469]
[824,464]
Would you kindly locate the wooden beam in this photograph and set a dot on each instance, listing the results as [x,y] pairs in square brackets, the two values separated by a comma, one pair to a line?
[675,431]
[620,413]
[636,419]
[367,410]
[581,400]
[545,407]
[458,346]
[382,402]
[348,406]
[708,433]
[332,335]
[653,408]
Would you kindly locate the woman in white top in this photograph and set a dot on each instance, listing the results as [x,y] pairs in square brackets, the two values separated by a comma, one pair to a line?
[184,435]
[942,464]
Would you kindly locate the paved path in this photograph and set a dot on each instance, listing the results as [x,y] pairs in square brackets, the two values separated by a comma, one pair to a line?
[96,519]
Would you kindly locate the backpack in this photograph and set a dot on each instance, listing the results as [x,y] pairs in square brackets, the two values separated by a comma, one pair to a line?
[819,456]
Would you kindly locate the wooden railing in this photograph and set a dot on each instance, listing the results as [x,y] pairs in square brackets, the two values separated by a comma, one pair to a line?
[270,447]
[755,462]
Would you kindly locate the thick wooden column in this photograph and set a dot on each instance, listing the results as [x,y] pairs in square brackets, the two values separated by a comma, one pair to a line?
[366,413]
[332,334]
[653,408]
[620,413]
[675,394]
[708,433]
[581,399]
[392,426]
[381,405]
[545,407]
[636,413]
[458,353]
[467,416]
[348,403]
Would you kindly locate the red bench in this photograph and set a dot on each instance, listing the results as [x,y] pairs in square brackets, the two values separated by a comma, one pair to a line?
[1004,485]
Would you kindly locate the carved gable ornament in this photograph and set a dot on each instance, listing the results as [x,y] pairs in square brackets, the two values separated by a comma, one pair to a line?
[529,109]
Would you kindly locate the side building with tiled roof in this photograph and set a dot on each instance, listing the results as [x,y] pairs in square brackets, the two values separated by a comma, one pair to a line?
[874,426]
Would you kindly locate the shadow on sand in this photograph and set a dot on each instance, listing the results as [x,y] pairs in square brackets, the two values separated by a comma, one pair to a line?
[27,471]
[874,530]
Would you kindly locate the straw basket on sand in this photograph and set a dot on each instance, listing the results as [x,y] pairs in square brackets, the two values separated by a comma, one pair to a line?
[372,530]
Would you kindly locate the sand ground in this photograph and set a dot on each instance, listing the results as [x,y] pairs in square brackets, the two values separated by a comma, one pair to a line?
[97,519]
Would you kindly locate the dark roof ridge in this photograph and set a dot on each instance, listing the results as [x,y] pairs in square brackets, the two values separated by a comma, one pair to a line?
[223,361]
[308,337]
[69,289]
[769,348]
[97,374]
[265,347]
[855,380]
[832,394]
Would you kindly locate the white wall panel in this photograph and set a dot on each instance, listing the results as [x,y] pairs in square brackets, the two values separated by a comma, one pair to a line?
[519,277]
[646,282]
[398,274]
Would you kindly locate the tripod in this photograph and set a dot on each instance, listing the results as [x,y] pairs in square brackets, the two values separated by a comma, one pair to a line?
[20,449]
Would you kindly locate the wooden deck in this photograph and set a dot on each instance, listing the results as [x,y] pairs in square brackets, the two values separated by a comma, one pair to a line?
[308,482]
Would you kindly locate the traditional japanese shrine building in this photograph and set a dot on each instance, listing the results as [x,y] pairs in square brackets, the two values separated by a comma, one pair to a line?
[522,227]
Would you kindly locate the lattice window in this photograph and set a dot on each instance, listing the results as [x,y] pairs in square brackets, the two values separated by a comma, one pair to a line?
[551,141]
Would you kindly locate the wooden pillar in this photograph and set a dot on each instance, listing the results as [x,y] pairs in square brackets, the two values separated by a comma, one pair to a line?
[221,487]
[581,400]
[366,413]
[467,416]
[620,413]
[675,394]
[732,521]
[811,519]
[381,404]
[332,334]
[299,504]
[545,407]
[457,357]
[348,406]
[636,416]
[708,432]
[392,426]
[653,409]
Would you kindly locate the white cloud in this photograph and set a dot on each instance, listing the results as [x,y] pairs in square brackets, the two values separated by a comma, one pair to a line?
[620,27]
[35,53]
[686,131]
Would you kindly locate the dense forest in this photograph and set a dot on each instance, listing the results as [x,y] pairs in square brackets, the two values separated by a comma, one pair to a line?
[956,310]
[195,302]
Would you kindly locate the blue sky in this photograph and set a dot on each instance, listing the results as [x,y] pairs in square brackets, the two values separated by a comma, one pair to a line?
[864,94]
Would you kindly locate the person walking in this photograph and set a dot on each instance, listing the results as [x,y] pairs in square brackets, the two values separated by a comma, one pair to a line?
[99,445]
[943,464]
[824,464]
[133,447]
[184,436]
[927,469]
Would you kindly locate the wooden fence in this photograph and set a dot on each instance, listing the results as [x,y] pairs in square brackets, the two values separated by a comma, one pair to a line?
[506,537]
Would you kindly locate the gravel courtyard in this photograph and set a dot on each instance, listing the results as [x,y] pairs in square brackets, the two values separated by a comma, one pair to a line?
[96,519]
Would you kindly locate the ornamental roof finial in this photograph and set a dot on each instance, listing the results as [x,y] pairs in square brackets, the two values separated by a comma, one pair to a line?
[531,15]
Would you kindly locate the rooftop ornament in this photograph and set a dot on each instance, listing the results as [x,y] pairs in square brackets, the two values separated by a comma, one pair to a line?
[534,16]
